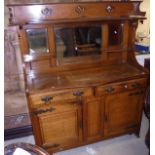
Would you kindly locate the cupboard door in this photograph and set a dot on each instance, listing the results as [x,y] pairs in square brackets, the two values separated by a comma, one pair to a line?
[59,130]
[122,112]
[93,121]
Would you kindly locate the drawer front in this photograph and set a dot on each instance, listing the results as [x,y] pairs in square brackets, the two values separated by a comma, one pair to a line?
[54,108]
[70,11]
[62,95]
[122,86]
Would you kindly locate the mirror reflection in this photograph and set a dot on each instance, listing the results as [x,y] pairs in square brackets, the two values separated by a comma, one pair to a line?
[115,34]
[78,41]
[37,40]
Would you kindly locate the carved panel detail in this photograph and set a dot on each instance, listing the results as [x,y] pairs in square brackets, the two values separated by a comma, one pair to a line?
[80,9]
[46,11]
[109,8]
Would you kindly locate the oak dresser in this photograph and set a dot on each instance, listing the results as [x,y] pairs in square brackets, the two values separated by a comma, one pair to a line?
[83,83]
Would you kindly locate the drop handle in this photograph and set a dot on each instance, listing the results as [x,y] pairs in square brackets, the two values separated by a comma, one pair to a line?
[40,111]
[80,9]
[46,11]
[109,89]
[78,93]
[136,85]
[109,8]
[47,99]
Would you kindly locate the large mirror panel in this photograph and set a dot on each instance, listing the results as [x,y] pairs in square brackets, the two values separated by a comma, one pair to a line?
[77,41]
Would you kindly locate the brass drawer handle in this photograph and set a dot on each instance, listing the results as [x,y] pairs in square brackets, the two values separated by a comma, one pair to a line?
[136,85]
[46,11]
[109,8]
[109,89]
[78,93]
[40,111]
[47,99]
[136,93]
[79,9]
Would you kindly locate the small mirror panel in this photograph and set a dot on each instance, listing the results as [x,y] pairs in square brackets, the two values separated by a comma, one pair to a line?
[37,40]
[78,41]
[115,34]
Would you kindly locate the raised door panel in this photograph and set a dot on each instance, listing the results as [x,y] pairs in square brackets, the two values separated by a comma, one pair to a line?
[60,130]
[93,119]
[122,112]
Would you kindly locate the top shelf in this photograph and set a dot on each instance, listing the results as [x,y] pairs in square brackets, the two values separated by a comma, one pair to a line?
[36,2]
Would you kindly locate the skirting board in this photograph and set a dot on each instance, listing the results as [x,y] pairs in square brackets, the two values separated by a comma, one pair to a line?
[17,132]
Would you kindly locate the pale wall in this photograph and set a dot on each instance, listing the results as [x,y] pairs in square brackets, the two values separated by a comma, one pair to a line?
[144,29]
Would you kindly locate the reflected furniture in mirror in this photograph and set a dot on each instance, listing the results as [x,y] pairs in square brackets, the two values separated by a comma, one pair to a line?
[82,81]
[37,40]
